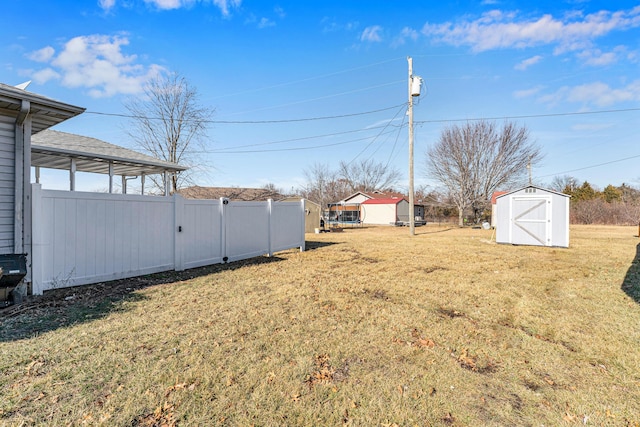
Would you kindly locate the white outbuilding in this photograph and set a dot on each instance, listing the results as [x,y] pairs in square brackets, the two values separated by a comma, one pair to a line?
[533,216]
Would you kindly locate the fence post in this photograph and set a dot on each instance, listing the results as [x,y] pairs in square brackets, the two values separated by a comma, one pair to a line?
[178,241]
[304,220]
[223,228]
[36,240]
[270,225]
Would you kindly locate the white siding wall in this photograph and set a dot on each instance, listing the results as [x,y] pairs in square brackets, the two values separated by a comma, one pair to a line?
[378,214]
[82,238]
[7,183]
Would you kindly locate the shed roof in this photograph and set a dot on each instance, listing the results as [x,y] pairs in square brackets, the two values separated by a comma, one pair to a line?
[531,186]
[45,112]
[54,149]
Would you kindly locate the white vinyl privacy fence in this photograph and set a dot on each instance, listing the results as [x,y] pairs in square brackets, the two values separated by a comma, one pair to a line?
[81,238]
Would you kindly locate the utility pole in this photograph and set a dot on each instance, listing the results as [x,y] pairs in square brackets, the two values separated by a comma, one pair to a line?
[412,225]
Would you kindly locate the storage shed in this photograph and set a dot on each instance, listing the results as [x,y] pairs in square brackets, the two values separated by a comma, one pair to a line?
[385,211]
[533,216]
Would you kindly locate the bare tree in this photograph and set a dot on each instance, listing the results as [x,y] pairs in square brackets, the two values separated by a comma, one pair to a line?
[169,123]
[323,185]
[474,160]
[368,175]
[564,182]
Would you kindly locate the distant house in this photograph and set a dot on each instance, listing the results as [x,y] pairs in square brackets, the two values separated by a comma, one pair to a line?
[231,193]
[374,208]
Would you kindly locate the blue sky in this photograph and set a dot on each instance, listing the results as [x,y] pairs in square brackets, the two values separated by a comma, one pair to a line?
[568,70]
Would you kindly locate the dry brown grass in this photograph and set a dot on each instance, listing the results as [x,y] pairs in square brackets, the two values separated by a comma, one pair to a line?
[369,327]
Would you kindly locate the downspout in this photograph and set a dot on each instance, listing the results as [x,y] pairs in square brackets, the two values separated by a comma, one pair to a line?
[19,179]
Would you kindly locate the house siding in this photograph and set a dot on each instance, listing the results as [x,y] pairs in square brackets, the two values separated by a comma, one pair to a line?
[7,183]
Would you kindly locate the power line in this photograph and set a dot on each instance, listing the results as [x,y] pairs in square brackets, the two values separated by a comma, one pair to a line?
[222,150]
[335,73]
[244,122]
[592,166]
[530,116]
[295,148]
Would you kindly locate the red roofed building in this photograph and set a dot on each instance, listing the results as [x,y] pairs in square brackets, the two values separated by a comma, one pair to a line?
[385,211]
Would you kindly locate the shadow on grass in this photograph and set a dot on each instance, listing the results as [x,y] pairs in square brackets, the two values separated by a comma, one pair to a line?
[435,231]
[311,245]
[60,308]
[631,283]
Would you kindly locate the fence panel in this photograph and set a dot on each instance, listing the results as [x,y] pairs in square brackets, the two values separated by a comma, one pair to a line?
[200,241]
[82,238]
[247,229]
[287,226]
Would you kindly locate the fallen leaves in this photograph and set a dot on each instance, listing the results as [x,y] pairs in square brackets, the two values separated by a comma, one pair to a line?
[324,372]
[162,416]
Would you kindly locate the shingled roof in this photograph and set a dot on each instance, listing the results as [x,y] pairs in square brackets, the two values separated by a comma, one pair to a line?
[45,112]
[53,149]
[231,193]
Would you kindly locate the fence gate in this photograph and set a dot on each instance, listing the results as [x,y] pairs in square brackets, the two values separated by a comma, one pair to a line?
[531,220]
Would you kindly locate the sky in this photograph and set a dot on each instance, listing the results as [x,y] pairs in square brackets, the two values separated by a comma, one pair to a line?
[299,83]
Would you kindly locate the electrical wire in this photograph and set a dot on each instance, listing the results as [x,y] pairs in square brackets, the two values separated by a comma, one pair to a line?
[222,150]
[245,122]
[528,116]
[376,137]
[322,76]
[592,166]
[294,148]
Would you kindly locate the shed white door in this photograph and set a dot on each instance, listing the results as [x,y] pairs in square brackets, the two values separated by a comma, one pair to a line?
[531,220]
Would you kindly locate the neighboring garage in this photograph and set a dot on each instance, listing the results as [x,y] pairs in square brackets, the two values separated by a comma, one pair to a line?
[533,216]
[384,211]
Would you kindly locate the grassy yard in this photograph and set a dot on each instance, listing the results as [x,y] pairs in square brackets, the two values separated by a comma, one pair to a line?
[369,327]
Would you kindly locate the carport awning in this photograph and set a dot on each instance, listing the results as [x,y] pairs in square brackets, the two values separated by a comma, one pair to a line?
[54,149]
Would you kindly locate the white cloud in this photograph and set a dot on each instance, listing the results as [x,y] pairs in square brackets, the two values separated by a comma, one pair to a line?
[97,63]
[406,33]
[497,30]
[526,93]
[265,22]
[223,5]
[597,93]
[107,4]
[330,25]
[169,4]
[596,57]
[523,65]
[371,34]
[42,55]
[44,75]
